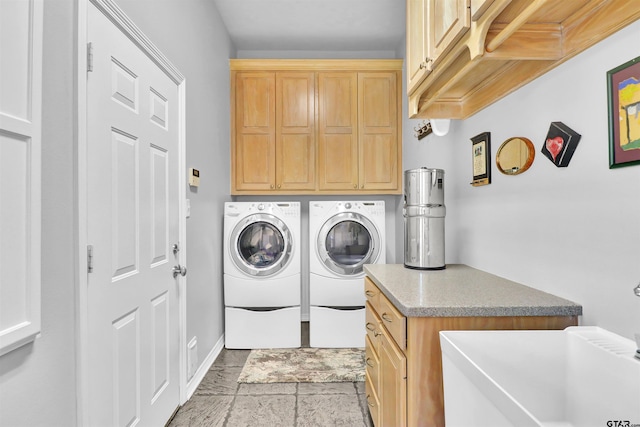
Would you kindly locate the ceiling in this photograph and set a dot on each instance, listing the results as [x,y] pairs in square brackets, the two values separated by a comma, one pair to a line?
[314,25]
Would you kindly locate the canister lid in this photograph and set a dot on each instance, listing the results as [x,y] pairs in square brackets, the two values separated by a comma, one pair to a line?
[423,170]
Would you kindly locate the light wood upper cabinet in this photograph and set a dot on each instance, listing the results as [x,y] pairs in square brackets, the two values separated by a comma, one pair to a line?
[448,20]
[478,7]
[274,131]
[482,50]
[254,151]
[358,131]
[295,131]
[378,131]
[316,127]
[433,26]
[417,55]
[338,131]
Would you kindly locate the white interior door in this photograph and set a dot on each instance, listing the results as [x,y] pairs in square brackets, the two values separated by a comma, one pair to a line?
[133,337]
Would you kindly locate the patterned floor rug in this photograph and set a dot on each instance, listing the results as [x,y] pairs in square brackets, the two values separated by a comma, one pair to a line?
[304,365]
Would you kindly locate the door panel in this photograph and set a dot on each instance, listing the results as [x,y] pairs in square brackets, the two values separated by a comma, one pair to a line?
[159,205]
[378,121]
[337,131]
[21,30]
[132,222]
[416,59]
[255,131]
[448,21]
[295,131]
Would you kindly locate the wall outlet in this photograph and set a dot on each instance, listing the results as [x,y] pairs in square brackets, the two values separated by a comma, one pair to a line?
[192,357]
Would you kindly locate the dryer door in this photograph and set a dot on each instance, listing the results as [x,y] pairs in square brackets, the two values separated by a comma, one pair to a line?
[346,242]
[261,245]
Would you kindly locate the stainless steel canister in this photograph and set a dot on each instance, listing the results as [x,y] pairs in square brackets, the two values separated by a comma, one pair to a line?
[424,214]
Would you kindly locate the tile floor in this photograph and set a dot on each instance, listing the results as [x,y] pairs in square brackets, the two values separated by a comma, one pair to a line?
[221,401]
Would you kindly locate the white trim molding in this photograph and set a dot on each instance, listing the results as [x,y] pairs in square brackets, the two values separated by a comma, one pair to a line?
[204,367]
[21,32]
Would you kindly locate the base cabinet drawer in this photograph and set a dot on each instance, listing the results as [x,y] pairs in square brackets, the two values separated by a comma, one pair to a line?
[372,363]
[372,401]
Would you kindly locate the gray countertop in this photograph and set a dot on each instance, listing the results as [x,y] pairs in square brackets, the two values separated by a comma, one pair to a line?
[463,291]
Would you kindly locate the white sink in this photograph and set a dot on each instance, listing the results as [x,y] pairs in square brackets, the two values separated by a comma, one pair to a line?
[580,376]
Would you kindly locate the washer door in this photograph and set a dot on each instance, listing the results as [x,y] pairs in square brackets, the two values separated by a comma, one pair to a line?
[346,242]
[261,245]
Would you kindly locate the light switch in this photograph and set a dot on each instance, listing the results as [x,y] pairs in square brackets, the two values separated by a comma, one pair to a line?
[194,177]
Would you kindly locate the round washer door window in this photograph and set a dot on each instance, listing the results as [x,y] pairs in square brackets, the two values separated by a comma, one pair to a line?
[346,242]
[263,245]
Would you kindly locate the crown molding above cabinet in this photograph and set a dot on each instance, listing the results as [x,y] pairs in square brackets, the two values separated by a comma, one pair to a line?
[463,55]
[316,126]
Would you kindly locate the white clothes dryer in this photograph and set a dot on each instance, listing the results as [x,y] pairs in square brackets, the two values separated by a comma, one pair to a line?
[343,237]
[262,274]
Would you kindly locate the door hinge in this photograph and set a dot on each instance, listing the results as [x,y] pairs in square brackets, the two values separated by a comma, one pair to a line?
[89,258]
[89,57]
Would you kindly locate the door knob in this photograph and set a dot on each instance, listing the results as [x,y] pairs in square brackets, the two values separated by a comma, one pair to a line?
[179,270]
[636,290]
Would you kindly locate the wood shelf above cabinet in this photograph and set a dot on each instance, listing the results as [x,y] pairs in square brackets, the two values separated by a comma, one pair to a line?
[510,43]
[316,127]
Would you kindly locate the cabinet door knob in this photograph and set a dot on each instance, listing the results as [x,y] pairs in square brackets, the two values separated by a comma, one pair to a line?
[423,65]
[370,294]
[368,362]
[271,186]
[355,185]
[279,186]
[369,402]
[386,318]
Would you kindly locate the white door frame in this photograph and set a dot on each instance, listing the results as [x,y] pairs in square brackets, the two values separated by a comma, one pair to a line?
[119,18]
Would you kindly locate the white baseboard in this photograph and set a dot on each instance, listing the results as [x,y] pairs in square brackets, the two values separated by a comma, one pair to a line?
[198,376]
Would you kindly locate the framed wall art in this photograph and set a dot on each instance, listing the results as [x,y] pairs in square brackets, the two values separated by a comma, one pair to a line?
[481,153]
[560,144]
[623,89]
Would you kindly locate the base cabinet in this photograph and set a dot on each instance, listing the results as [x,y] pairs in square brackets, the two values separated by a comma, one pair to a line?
[404,361]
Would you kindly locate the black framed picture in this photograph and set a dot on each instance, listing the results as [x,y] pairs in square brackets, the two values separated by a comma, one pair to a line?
[481,153]
[560,144]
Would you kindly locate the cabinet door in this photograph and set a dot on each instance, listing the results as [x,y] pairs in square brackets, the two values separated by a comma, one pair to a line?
[255,125]
[393,384]
[337,131]
[417,66]
[448,21]
[295,131]
[478,7]
[378,130]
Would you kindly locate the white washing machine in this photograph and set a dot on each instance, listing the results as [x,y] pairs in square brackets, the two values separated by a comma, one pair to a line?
[343,236]
[262,274]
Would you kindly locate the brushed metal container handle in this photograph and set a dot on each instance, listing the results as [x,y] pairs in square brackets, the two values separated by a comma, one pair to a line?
[370,326]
